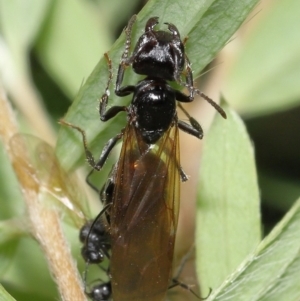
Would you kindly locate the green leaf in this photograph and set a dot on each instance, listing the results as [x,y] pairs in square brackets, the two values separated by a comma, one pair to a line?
[71,43]
[272,272]
[11,201]
[213,29]
[4,295]
[12,229]
[265,77]
[28,260]
[20,23]
[228,213]
[202,21]
[279,191]
[8,244]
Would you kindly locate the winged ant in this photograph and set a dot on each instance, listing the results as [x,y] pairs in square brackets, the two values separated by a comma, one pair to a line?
[95,237]
[145,199]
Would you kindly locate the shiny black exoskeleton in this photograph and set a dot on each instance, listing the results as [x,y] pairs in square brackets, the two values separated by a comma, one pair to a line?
[94,234]
[96,240]
[101,292]
[153,108]
[158,53]
[160,56]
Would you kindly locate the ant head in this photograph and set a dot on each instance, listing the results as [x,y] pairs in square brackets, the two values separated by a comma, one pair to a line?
[159,53]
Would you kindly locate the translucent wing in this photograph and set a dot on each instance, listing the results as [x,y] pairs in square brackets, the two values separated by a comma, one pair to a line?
[144,216]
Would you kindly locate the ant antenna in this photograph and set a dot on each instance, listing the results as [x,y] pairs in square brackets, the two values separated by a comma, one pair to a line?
[211,102]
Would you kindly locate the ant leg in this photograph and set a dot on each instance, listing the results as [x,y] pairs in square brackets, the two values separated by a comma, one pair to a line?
[104,116]
[120,91]
[104,192]
[183,175]
[176,282]
[189,83]
[190,129]
[125,61]
[97,165]
[88,181]
[194,128]
[189,78]
[113,111]
[106,150]
[128,31]
[192,90]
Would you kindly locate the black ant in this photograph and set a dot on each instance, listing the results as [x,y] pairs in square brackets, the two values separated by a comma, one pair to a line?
[144,205]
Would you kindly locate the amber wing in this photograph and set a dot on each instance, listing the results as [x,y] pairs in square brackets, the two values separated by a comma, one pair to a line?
[144,217]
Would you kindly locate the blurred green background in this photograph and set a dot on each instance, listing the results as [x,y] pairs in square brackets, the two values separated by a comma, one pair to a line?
[48,48]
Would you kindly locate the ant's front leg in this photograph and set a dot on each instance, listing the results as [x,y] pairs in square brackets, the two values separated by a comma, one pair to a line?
[104,116]
[189,84]
[189,78]
[113,111]
[125,61]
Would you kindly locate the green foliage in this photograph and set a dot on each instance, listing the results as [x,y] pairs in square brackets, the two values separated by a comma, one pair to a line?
[4,296]
[61,42]
[228,211]
[271,272]
[271,58]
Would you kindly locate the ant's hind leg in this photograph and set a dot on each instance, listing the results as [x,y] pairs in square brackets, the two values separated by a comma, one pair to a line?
[97,165]
[194,128]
